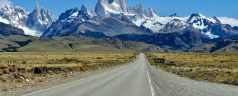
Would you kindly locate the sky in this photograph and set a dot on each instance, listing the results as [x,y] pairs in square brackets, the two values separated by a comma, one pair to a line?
[210,8]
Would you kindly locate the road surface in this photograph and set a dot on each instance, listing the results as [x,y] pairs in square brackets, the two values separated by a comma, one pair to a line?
[136,80]
[129,80]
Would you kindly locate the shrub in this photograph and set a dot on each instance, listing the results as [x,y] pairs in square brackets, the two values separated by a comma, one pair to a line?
[99,58]
[23,62]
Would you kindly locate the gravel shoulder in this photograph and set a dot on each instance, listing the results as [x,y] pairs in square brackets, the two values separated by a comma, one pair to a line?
[168,84]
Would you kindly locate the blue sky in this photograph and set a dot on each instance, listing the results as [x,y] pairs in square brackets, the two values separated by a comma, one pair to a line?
[223,8]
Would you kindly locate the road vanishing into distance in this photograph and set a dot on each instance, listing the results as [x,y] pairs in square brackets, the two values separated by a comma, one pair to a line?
[129,80]
[137,79]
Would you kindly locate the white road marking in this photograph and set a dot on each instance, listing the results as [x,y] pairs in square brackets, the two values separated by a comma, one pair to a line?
[60,85]
[151,87]
[66,83]
[148,75]
[93,77]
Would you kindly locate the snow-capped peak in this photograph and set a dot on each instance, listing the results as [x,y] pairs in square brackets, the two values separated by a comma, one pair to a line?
[4,3]
[210,35]
[76,15]
[105,8]
[39,19]
[200,21]
[140,11]
[89,12]
[197,17]
[18,17]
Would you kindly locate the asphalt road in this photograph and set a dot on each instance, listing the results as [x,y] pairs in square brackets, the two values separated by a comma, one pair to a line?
[129,80]
[136,80]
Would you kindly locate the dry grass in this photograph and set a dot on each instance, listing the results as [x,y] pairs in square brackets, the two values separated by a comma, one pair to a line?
[218,68]
[32,69]
[25,59]
[41,62]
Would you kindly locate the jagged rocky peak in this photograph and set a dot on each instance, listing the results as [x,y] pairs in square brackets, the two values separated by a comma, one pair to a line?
[77,15]
[105,8]
[5,3]
[217,20]
[40,18]
[176,22]
[197,17]
[175,25]
[123,5]
[88,11]
[139,10]
[174,15]
[13,15]
[69,14]
[200,21]
[84,8]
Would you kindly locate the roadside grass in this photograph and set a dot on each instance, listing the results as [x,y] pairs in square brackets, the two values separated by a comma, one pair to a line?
[217,68]
[32,70]
[59,62]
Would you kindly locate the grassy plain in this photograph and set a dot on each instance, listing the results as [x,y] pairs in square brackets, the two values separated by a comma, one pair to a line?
[218,68]
[63,59]
[29,69]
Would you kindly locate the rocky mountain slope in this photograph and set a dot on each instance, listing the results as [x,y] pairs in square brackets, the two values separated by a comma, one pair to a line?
[7,30]
[33,23]
[39,19]
[146,19]
[123,25]
[12,38]
[79,21]
[105,8]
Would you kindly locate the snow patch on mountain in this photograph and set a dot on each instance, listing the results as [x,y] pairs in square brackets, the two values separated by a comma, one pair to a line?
[26,30]
[228,20]
[199,25]
[210,35]
[155,23]
[33,23]
[4,20]
[31,32]
[74,15]
[200,21]
[195,17]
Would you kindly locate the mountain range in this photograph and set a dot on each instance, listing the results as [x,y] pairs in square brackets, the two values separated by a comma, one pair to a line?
[113,22]
[33,23]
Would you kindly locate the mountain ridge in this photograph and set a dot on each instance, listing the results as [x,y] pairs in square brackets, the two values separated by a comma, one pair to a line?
[33,23]
[113,23]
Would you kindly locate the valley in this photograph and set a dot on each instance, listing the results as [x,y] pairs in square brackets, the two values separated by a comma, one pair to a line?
[109,47]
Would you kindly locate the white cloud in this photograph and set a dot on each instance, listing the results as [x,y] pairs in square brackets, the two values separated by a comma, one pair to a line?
[4,2]
[228,20]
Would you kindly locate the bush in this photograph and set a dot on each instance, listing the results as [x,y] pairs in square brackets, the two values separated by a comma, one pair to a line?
[37,70]
[99,58]
[23,62]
